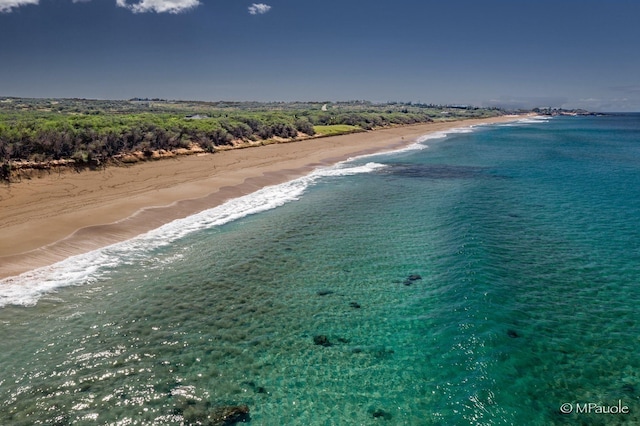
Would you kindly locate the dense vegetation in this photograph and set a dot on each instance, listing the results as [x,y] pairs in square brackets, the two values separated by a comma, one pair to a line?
[94,132]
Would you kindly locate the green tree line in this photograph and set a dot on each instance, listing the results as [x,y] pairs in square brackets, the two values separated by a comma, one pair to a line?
[92,132]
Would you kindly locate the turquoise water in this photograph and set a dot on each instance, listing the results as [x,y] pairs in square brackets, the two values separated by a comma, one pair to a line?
[526,240]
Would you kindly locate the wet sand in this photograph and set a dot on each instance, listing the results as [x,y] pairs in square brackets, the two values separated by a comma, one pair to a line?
[47,219]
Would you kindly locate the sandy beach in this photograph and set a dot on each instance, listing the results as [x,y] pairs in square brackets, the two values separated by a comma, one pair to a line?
[48,219]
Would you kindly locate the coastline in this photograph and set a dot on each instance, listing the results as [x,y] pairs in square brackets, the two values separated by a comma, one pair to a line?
[49,219]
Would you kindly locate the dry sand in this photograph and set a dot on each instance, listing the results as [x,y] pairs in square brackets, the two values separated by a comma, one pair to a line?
[48,219]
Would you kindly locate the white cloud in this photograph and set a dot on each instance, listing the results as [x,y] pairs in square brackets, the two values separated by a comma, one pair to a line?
[259,8]
[159,6]
[136,6]
[7,6]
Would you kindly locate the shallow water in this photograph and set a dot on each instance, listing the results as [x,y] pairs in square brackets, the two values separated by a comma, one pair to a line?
[525,239]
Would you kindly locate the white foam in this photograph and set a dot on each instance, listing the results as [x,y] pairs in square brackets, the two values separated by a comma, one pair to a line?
[534,119]
[26,289]
[445,133]
[419,143]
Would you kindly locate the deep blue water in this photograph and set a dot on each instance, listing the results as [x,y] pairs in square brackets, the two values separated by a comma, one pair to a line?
[525,238]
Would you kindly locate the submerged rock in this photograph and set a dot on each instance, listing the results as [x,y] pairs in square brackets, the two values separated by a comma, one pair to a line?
[255,387]
[229,415]
[321,340]
[381,414]
[354,305]
[411,279]
[628,388]
[512,333]
[196,411]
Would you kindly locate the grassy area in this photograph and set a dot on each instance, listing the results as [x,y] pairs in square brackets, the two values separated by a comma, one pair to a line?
[336,129]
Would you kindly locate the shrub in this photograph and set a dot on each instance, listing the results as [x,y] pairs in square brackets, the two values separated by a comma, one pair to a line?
[5,171]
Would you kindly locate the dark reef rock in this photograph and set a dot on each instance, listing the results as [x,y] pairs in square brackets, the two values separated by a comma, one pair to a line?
[355,305]
[321,340]
[381,414]
[512,333]
[411,279]
[255,387]
[229,415]
[628,388]
[199,412]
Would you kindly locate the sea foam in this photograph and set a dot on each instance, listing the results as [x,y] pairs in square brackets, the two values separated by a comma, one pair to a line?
[26,289]
[534,119]
[420,144]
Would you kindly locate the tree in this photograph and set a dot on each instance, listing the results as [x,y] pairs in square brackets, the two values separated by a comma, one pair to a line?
[303,125]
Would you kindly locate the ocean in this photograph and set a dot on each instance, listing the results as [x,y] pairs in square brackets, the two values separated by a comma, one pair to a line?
[486,276]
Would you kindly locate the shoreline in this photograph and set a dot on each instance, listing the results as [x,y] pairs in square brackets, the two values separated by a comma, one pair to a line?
[51,218]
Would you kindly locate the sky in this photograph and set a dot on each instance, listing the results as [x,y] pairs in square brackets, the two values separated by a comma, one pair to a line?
[517,53]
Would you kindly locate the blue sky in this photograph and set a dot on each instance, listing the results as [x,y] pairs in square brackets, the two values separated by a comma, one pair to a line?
[570,53]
